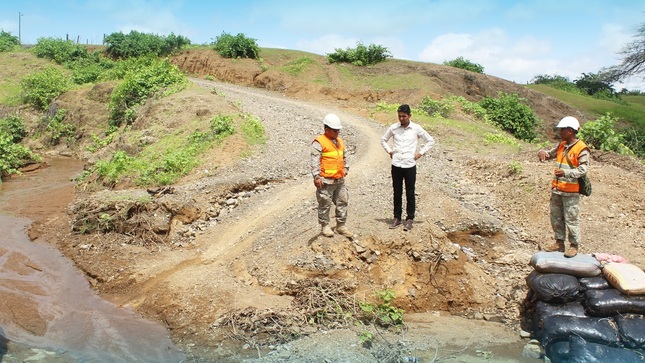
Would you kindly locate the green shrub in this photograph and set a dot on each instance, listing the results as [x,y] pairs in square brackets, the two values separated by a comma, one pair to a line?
[57,128]
[510,113]
[150,77]
[440,108]
[471,108]
[137,44]
[222,126]
[361,55]
[112,170]
[91,69]
[14,127]
[634,139]
[599,134]
[238,46]
[39,89]
[383,312]
[58,50]
[7,41]
[462,63]
[253,130]
[12,155]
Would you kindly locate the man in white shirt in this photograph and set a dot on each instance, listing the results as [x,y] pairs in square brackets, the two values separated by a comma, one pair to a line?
[404,154]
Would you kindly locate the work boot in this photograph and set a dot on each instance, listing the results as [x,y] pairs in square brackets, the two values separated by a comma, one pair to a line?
[571,251]
[326,231]
[395,223]
[341,229]
[558,246]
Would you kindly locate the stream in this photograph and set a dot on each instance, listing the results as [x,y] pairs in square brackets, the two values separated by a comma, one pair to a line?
[48,312]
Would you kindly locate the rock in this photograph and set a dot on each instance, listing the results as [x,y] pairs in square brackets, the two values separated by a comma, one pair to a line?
[532,351]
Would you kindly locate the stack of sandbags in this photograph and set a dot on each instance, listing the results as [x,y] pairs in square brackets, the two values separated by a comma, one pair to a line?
[583,311]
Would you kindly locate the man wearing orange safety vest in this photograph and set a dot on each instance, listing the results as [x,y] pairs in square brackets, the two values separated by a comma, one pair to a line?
[571,162]
[329,168]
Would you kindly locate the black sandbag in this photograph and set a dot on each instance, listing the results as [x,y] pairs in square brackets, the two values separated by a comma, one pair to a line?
[593,283]
[610,302]
[553,288]
[544,310]
[557,351]
[582,351]
[597,330]
[632,329]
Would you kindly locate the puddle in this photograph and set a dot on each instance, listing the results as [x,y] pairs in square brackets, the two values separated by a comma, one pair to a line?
[48,311]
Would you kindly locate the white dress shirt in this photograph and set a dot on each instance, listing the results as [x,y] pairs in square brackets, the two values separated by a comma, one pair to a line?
[404,144]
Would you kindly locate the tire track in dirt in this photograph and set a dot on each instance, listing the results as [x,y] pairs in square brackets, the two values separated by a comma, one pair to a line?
[231,237]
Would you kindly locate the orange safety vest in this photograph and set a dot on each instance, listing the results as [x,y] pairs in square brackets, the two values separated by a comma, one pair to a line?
[567,184]
[332,163]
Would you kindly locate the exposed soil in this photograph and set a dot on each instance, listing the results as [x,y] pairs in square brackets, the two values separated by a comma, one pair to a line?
[242,233]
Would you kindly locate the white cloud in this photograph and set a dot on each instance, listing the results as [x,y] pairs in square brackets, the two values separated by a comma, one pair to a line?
[9,26]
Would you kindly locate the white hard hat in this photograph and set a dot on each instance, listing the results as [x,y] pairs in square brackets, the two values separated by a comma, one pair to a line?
[332,121]
[569,121]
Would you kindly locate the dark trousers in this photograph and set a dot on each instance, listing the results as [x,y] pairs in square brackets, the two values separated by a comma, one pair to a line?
[399,175]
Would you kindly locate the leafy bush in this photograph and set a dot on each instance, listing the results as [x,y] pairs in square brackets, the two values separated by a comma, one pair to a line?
[253,130]
[137,44]
[8,41]
[222,126]
[599,134]
[90,69]
[383,312]
[56,128]
[149,77]
[510,113]
[634,139]
[12,155]
[462,63]
[437,108]
[59,50]
[14,127]
[471,108]
[361,55]
[238,46]
[112,170]
[39,89]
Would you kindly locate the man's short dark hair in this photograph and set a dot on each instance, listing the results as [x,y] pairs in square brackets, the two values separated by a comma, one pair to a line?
[405,109]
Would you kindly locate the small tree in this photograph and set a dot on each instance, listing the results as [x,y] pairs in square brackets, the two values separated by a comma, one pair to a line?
[462,63]
[239,46]
[8,41]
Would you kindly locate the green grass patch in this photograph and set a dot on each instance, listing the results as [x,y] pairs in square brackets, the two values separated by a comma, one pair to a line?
[297,66]
[632,113]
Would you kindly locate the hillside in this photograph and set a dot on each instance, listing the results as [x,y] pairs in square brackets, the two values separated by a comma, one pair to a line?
[239,245]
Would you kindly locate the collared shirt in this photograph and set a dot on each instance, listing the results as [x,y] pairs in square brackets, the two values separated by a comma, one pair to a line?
[404,144]
[316,153]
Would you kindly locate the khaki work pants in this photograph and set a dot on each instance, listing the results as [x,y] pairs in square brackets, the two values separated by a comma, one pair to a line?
[336,194]
[565,214]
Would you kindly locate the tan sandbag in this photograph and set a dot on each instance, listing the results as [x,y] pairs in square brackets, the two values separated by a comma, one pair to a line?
[582,265]
[625,277]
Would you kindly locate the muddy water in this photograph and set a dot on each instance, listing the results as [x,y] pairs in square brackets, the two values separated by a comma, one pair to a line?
[48,312]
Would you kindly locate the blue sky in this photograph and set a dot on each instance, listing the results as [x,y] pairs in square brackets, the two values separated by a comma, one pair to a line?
[514,40]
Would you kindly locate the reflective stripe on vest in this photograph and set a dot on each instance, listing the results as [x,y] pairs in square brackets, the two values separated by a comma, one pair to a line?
[567,184]
[332,164]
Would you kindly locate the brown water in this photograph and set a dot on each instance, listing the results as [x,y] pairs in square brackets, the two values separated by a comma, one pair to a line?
[48,312]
